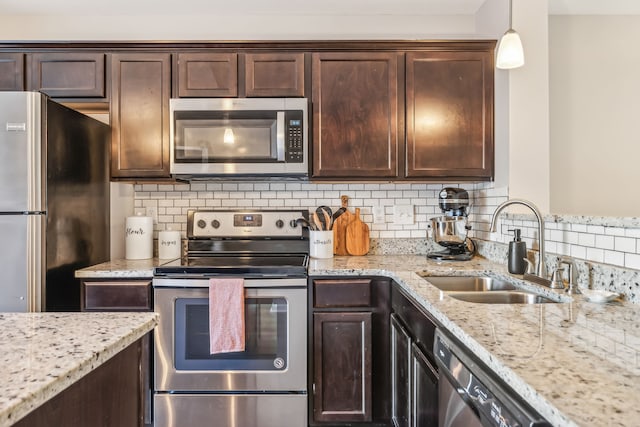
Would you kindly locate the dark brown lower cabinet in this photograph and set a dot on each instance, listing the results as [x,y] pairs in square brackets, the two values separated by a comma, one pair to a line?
[106,397]
[342,370]
[350,370]
[125,295]
[414,375]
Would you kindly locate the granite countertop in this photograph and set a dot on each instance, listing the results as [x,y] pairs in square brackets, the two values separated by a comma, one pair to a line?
[575,362]
[44,353]
[122,268]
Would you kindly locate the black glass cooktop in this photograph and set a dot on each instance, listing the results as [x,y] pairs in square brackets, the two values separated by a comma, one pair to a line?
[280,265]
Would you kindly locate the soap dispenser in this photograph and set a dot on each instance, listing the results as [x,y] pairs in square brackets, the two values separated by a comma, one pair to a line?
[517,253]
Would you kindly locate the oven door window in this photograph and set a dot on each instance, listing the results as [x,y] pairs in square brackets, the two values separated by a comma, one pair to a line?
[230,136]
[265,336]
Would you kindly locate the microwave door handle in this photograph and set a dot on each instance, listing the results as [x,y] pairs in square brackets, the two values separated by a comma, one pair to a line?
[280,136]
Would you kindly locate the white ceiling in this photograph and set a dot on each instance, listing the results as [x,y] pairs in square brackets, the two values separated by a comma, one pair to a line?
[296,7]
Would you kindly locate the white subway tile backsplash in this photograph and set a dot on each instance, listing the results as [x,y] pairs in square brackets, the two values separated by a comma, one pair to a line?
[595,254]
[625,244]
[615,244]
[632,261]
[615,258]
[604,242]
[585,239]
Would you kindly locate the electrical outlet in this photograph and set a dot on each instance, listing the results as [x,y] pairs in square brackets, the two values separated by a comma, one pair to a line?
[403,214]
[152,211]
[378,214]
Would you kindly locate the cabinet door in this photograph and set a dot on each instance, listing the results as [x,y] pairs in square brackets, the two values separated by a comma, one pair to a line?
[140,115]
[67,75]
[355,115]
[342,367]
[424,397]
[449,114]
[400,374]
[207,74]
[274,74]
[11,71]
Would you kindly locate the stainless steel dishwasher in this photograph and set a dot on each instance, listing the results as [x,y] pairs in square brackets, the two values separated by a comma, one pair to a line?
[470,396]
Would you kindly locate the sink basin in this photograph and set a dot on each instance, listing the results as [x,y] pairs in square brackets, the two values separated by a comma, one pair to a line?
[469,283]
[501,297]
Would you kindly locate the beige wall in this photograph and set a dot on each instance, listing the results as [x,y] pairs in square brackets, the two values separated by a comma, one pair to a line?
[595,115]
[235,27]
[529,107]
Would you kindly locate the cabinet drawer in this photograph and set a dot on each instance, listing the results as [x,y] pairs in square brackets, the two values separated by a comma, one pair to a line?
[116,296]
[342,293]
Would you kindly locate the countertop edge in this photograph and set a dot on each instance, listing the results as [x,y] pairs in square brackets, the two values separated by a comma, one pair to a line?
[13,413]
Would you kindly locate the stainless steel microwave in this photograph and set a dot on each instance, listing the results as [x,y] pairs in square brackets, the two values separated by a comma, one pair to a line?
[239,137]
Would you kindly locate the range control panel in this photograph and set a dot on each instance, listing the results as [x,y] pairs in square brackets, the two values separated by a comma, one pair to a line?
[244,224]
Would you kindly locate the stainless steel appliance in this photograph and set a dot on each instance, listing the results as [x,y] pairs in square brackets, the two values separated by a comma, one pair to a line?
[54,201]
[239,137]
[471,396]
[265,385]
[450,230]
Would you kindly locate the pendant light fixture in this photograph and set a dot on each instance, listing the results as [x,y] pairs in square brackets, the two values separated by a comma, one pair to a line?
[510,52]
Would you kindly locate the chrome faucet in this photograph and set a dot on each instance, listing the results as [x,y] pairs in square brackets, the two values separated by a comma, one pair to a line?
[541,270]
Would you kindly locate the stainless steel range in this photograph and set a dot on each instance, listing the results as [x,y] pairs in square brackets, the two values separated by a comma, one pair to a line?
[266,384]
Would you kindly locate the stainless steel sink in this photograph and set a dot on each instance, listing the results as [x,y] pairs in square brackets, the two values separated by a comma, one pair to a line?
[484,290]
[468,283]
[501,297]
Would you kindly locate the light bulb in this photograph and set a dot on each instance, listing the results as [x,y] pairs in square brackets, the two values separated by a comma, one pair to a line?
[229,138]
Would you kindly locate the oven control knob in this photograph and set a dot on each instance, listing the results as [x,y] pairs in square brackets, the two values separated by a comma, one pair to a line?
[215,223]
[202,223]
[278,363]
[293,223]
[279,223]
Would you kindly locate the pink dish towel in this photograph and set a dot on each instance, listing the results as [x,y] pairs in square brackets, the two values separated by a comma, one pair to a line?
[226,315]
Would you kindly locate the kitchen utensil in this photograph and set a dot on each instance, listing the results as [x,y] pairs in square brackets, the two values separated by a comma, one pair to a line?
[317,221]
[340,228]
[325,214]
[357,236]
[304,223]
[338,212]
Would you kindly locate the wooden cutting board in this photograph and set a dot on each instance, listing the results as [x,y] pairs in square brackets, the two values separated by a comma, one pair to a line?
[357,236]
[340,229]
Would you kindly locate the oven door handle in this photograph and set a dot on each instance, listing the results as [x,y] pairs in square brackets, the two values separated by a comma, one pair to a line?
[175,282]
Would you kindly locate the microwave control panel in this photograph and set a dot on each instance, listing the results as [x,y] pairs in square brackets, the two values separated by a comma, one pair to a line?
[295,137]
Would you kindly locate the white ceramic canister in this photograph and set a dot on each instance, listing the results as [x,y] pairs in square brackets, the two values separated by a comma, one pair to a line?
[138,243]
[321,244]
[169,244]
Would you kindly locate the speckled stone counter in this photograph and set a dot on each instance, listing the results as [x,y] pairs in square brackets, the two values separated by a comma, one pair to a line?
[43,353]
[575,362]
[122,268]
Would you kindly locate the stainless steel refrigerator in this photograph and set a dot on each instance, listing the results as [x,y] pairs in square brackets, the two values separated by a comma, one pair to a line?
[54,201]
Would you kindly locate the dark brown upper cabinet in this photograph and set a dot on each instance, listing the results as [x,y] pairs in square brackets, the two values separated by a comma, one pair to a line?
[141,88]
[206,75]
[67,74]
[449,114]
[274,74]
[11,71]
[355,115]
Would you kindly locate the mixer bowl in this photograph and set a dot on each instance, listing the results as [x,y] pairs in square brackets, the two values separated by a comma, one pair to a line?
[449,231]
